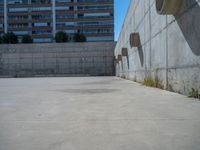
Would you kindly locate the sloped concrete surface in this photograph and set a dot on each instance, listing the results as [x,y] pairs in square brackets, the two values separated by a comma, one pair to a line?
[95,113]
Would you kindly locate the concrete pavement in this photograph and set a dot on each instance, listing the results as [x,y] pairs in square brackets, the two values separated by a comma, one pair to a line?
[95,113]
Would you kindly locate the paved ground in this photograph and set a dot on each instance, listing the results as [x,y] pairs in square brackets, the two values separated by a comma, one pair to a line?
[103,113]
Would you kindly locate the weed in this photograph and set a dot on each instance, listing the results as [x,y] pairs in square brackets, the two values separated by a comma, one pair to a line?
[149,82]
[123,77]
[194,93]
[170,88]
[153,82]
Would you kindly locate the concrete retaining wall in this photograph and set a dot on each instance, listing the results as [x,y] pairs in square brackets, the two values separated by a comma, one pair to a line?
[66,59]
[170,46]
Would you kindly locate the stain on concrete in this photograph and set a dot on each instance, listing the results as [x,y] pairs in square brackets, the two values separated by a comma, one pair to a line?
[89,91]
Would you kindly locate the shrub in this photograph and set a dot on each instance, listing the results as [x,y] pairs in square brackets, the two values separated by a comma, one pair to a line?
[27,39]
[79,37]
[10,38]
[61,37]
[1,40]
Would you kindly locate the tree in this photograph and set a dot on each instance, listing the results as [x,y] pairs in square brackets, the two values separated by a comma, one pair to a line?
[61,37]
[10,38]
[1,40]
[79,37]
[27,39]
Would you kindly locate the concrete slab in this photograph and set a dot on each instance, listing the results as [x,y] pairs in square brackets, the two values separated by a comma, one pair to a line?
[94,113]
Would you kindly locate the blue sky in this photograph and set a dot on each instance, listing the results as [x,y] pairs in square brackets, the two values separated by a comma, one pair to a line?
[121,7]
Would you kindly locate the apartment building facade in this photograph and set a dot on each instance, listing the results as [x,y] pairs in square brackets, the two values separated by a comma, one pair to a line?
[43,18]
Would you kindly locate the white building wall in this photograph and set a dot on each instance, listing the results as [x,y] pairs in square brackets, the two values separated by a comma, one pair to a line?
[169,50]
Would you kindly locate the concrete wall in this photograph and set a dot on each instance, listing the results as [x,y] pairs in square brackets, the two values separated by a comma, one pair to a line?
[170,46]
[95,58]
